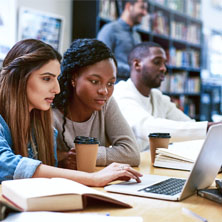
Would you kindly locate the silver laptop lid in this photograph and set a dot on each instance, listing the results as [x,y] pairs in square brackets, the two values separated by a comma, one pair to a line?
[207,164]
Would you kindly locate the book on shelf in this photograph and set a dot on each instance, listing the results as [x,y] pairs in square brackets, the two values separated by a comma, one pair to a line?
[145,24]
[182,57]
[178,101]
[178,30]
[55,194]
[108,9]
[189,108]
[193,8]
[193,85]
[179,155]
[177,82]
[194,33]
[160,23]
[177,5]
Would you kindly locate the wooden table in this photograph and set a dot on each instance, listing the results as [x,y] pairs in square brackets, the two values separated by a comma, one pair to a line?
[160,210]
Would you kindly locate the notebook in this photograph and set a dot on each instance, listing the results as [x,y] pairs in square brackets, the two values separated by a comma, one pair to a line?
[202,175]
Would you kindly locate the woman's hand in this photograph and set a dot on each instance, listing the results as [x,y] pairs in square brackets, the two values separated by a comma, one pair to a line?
[68,159]
[114,171]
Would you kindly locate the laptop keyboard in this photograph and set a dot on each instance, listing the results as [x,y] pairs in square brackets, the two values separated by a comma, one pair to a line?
[170,187]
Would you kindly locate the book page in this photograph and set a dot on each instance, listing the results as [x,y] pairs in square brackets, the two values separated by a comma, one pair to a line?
[37,187]
[74,187]
[187,150]
[172,163]
[19,191]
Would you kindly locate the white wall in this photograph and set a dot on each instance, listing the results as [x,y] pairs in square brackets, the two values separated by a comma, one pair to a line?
[59,7]
[211,17]
[212,21]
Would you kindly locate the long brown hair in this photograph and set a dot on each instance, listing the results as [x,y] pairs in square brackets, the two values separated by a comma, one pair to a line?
[25,57]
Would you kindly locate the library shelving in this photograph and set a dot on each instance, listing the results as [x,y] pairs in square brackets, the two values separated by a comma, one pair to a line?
[176,26]
[211,101]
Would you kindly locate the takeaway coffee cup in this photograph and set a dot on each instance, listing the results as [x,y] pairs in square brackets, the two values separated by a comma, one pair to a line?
[158,140]
[86,153]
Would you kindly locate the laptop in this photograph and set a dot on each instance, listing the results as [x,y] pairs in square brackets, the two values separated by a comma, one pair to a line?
[202,175]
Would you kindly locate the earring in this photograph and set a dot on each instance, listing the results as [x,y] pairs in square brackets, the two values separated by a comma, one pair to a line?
[73,83]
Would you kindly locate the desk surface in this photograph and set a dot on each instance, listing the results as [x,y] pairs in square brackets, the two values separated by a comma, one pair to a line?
[160,210]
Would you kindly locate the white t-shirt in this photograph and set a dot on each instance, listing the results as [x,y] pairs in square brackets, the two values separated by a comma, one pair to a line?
[155,113]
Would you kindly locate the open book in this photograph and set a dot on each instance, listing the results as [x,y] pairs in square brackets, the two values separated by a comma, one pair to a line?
[56,194]
[179,155]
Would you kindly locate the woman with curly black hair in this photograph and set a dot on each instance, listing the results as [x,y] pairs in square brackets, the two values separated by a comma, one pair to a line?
[85,106]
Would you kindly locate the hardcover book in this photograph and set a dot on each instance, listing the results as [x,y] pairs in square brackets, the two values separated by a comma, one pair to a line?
[56,194]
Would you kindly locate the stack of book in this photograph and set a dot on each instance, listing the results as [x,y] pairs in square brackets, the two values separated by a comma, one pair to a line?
[179,155]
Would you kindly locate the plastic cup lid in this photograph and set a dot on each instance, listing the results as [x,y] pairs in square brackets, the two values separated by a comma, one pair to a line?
[86,140]
[159,135]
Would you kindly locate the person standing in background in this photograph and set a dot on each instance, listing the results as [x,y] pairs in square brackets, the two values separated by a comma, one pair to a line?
[120,35]
[145,108]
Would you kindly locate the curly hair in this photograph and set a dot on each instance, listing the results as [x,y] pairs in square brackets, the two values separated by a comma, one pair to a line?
[25,57]
[82,53]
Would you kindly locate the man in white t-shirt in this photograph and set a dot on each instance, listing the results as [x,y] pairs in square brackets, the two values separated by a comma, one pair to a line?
[145,108]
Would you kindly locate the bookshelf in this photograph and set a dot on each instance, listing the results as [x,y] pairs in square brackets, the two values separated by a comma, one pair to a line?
[211,101]
[176,26]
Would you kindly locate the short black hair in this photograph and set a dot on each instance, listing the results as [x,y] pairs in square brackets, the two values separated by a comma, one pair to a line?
[141,50]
